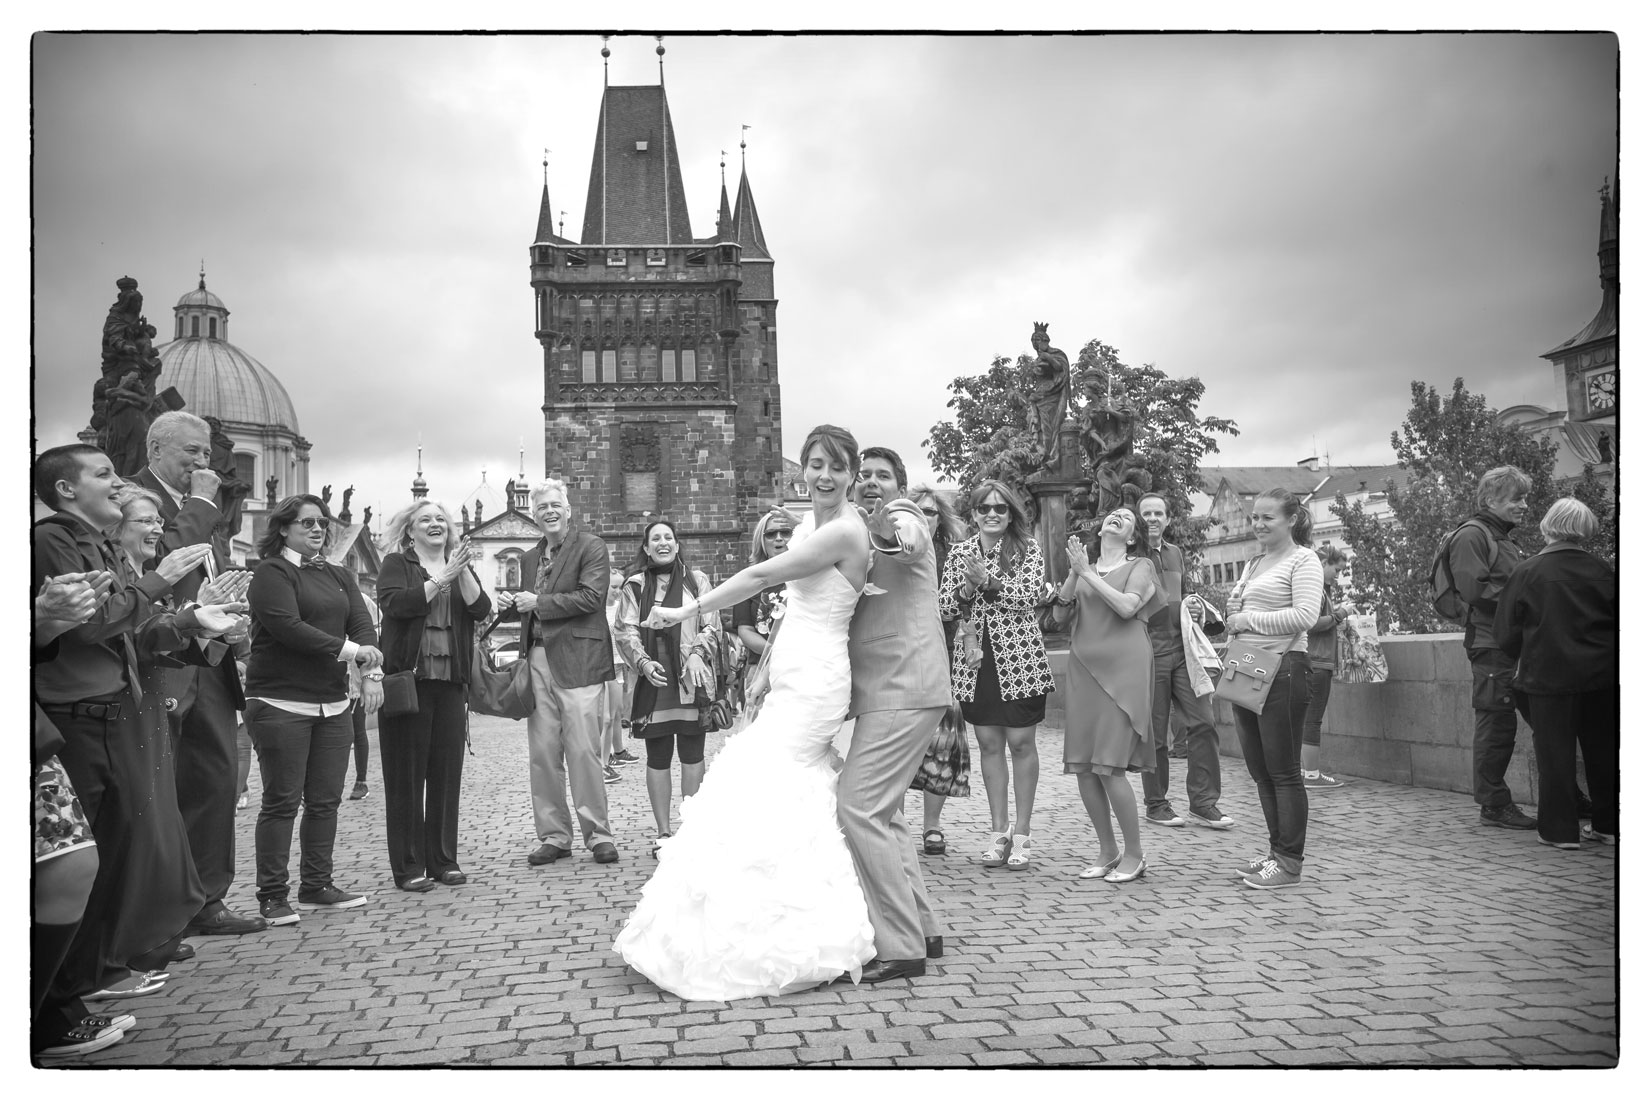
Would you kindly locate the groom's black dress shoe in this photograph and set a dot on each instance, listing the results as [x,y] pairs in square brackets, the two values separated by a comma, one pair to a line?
[547,853]
[936,946]
[884,970]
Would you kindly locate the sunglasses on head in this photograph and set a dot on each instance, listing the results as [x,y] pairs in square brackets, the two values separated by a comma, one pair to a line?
[991,509]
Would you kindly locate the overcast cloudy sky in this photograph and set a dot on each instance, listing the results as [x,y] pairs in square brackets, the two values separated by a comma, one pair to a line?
[1305,222]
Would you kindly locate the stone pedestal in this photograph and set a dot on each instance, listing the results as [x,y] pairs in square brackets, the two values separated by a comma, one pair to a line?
[1051,490]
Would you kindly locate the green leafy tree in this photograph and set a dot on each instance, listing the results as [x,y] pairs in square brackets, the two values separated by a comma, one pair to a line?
[988,437]
[1445,445]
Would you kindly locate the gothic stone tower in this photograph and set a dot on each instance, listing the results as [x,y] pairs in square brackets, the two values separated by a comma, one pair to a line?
[661,362]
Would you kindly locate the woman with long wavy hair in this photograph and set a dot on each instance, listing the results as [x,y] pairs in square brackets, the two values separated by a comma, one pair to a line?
[993,580]
[431,600]
[672,665]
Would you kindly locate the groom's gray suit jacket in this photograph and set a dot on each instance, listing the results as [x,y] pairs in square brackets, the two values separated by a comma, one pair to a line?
[896,643]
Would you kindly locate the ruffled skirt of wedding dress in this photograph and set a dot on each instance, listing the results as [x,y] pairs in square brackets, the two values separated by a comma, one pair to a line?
[756,894]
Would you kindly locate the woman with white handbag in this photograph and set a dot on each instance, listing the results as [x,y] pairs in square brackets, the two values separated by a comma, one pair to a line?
[1270,610]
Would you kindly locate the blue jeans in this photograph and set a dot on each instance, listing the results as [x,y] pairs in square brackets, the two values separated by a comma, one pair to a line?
[1271,742]
[1172,681]
[1318,681]
[302,759]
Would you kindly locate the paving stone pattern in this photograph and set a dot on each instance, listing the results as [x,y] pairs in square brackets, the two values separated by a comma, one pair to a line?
[1417,938]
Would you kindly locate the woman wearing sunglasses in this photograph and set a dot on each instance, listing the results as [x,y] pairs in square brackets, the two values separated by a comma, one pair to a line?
[993,581]
[310,627]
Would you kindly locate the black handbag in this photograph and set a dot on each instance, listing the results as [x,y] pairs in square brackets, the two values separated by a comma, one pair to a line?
[504,693]
[400,695]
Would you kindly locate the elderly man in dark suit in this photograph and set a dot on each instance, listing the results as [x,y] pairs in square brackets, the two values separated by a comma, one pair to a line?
[203,723]
[566,640]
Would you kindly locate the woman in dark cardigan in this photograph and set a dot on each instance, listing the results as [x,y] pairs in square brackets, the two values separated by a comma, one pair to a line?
[310,627]
[1559,617]
[431,600]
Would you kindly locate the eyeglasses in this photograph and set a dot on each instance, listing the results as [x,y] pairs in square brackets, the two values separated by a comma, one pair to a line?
[311,523]
[991,509]
[148,521]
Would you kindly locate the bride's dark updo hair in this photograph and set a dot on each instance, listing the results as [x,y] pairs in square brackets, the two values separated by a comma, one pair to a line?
[838,443]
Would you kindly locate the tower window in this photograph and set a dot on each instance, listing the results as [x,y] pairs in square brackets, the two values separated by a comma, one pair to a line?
[246,469]
[574,258]
[194,326]
[179,336]
[690,366]
[212,327]
[667,365]
[588,366]
[610,365]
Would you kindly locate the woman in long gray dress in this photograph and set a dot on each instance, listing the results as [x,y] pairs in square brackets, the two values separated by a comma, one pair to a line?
[1109,684]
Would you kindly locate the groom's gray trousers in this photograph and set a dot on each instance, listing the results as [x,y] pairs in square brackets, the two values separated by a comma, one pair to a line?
[886,751]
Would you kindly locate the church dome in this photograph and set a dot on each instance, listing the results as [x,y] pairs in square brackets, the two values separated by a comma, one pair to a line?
[215,377]
[199,297]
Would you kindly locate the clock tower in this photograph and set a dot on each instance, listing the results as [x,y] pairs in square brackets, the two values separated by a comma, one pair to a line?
[661,360]
[1585,366]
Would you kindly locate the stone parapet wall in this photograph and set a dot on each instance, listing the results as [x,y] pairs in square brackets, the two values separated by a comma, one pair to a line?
[1416,728]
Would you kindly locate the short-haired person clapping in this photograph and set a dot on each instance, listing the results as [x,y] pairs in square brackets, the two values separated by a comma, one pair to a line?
[309,626]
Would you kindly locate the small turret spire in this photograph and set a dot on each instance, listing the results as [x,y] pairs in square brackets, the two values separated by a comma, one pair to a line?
[606,53]
[660,50]
[202,285]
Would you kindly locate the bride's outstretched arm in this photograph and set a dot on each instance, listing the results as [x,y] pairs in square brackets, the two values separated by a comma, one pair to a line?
[830,545]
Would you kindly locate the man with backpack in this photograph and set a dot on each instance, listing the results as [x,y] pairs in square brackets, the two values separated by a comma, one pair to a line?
[1468,578]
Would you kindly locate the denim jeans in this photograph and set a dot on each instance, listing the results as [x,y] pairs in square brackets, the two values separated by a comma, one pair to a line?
[1171,680]
[302,759]
[1318,682]
[1495,726]
[1271,742]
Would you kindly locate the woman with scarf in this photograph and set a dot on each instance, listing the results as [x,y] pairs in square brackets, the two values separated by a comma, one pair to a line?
[672,666]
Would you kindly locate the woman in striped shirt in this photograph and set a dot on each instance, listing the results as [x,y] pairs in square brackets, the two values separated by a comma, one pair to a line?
[1272,607]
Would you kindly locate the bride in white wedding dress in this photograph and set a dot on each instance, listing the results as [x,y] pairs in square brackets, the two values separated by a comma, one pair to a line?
[756,893]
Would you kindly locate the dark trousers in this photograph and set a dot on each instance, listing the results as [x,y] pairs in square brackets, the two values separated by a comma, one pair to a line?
[422,755]
[358,718]
[302,758]
[1495,726]
[1172,682]
[206,760]
[1559,723]
[1271,742]
[1318,683]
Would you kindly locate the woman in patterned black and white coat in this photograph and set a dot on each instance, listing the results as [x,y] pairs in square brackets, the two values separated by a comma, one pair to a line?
[1000,672]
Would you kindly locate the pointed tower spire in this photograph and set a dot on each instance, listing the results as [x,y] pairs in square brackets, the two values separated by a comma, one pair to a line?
[202,285]
[636,196]
[420,487]
[747,224]
[1609,246]
[547,225]
[724,216]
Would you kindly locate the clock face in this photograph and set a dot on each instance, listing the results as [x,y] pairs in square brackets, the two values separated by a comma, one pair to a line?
[1601,390]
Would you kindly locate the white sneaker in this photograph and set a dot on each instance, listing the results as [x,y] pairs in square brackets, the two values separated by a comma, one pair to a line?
[1221,822]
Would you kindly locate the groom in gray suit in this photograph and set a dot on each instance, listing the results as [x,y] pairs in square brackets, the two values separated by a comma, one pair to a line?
[901,688]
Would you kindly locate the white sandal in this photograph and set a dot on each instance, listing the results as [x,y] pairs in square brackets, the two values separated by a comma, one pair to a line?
[1019,857]
[996,854]
[1103,869]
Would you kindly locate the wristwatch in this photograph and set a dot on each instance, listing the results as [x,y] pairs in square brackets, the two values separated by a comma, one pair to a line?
[375,674]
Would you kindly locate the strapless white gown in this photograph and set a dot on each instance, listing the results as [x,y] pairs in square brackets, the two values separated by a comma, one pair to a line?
[756,893]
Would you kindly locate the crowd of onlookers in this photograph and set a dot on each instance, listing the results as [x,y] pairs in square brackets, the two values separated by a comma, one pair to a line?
[148,644]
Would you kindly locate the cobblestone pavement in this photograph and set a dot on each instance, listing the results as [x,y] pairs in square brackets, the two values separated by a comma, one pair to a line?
[1418,937]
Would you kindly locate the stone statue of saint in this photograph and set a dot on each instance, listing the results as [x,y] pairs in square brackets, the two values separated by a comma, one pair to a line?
[366,517]
[343,509]
[269,491]
[124,403]
[1107,440]
[326,495]
[1049,398]
[232,491]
